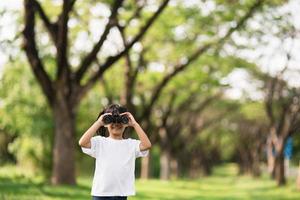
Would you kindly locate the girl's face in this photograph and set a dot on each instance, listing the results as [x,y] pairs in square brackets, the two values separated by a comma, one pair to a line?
[116,129]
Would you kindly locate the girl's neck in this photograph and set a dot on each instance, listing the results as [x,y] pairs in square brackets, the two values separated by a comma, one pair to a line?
[116,137]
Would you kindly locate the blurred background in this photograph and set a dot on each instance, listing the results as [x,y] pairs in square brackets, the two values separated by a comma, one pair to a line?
[215,85]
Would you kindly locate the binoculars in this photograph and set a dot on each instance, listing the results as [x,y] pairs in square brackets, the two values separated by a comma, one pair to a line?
[115,118]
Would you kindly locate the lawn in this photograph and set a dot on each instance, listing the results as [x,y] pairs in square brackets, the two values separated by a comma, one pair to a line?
[224,184]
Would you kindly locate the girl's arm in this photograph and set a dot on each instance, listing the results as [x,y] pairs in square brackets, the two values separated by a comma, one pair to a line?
[145,142]
[85,140]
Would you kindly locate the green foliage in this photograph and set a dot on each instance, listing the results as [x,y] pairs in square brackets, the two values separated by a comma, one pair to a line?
[26,116]
[296,150]
[254,111]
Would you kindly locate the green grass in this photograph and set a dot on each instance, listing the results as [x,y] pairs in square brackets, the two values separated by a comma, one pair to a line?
[15,184]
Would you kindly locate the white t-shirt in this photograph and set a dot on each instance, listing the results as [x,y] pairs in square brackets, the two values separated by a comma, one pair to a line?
[115,164]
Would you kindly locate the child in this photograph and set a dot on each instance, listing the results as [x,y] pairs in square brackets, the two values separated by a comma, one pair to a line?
[115,156]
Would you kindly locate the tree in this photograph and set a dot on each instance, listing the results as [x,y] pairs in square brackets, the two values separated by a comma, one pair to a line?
[65,92]
[179,64]
[282,106]
[250,142]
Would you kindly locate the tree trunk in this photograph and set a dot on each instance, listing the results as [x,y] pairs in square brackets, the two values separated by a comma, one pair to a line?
[244,162]
[256,172]
[195,169]
[164,164]
[145,167]
[279,169]
[63,171]
[286,167]
[174,171]
[145,164]
[270,156]
[298,179]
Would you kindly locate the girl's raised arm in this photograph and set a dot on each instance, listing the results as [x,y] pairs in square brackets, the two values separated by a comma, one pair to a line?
[85,140]
[145,142]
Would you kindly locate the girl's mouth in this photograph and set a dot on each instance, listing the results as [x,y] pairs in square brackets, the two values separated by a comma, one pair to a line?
[116,126]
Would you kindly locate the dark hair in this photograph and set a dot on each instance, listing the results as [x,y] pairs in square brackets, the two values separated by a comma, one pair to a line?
[109,109]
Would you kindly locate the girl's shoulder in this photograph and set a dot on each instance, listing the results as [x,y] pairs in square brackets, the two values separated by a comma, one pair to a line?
[98,137]
[132,140]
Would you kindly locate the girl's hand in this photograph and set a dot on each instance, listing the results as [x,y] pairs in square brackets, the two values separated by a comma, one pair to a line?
[131,121]
[100,119]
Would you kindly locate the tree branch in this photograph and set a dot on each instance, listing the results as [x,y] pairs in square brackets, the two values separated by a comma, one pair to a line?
[130,74]
[72,3]
[112,59]
[87,61]
[62,41]
[137,12]
[195,55]
[126,96]
[242,21]
[32,53]
[169,110]
[48,24]
[269,99]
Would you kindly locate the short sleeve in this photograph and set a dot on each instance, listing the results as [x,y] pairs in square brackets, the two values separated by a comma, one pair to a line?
[138,152]
[95,144]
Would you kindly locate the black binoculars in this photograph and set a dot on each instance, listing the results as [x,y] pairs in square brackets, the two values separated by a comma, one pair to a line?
[115,118]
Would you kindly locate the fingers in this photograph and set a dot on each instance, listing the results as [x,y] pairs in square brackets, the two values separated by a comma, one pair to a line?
[128,114]
[125,113]
[106,114]
[101,117]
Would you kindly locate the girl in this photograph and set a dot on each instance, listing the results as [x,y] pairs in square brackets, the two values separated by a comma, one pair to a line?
[115,156]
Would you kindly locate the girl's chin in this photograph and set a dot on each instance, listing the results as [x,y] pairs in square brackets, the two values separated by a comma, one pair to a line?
[117,129]
[117,133]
